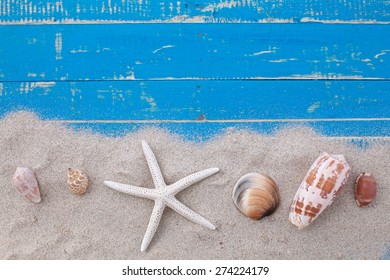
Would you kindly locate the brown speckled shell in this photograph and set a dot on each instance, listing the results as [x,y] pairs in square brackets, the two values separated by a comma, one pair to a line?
[77,181]
[365,189]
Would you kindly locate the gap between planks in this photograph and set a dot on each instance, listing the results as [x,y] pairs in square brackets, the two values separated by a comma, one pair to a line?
[220,121]
[170,79]
[118,22]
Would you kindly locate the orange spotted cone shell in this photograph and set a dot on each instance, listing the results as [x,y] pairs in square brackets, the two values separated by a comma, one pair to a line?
[321,185]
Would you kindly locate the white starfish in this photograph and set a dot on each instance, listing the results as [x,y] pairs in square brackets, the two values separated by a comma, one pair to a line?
[164,195]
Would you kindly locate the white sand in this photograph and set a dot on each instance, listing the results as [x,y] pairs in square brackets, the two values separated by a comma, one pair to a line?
[106,224]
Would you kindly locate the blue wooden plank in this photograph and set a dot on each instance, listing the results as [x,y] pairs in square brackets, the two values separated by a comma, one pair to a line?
[192,100]
[47,11]
[194,51]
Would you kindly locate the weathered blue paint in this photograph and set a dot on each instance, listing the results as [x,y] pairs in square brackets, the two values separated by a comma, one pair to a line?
[194,51]
[48,11]
[214,100]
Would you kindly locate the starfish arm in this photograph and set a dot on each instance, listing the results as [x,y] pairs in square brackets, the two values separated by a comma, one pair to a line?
[190,180]
[188,213]
[155,218]
[132,190]
[158,178]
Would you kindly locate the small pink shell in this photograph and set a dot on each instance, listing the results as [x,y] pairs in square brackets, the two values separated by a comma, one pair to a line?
[25,182]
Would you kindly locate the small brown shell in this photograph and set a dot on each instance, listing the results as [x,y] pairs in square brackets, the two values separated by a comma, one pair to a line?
[77,181]
[25,182]
[365,189]
[256,195]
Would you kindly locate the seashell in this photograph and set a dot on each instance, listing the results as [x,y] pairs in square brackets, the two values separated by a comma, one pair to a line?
[25,182]
[365,189]
[322,183]
[256,195]
[77,181]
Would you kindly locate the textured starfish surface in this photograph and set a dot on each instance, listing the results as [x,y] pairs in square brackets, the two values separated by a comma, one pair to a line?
[164,195]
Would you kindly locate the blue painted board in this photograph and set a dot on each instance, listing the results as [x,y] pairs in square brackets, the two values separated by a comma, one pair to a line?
[194,51]
[191,100]
[48,11]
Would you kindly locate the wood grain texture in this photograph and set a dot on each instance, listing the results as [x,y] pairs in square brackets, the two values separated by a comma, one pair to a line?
[190,101]
[88,65]
[216,11]
[194,51]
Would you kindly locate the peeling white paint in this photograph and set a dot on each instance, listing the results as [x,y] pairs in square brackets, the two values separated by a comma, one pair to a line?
[356,55]
[383,52]
[102,50]
[58,46]
[79,51]
[148,99]
[185,19]
[272,50]
[334,59]
[26,87]
[282,60]
[49,10]
[337,21]
[221,5]
[163,47]
[42,84]
[312,76]
[59,6]
[313,107]
[130,77]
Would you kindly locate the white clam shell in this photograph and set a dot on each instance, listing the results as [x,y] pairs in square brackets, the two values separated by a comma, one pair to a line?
[322,183]
[26,183]
[256,195]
